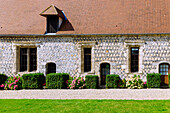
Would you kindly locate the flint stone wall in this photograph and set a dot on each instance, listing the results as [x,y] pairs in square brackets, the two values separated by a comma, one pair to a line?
[65,52]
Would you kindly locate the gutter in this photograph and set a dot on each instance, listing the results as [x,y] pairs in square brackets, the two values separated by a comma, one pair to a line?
[81,35]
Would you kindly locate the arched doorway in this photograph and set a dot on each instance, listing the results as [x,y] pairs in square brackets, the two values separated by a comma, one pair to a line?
[164,70]
[104,70]
[50,68]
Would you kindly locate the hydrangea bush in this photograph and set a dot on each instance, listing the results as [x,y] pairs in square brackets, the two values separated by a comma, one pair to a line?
[12,83]
[76,83]
[135,83]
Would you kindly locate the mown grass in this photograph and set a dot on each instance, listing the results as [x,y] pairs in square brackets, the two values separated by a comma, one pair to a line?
[83,106]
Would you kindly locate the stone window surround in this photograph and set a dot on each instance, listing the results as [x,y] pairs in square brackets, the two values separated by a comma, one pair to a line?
[137,43]
[16,50]
[81,46]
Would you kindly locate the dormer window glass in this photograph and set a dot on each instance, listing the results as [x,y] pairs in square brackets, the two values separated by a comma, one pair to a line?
[52,24]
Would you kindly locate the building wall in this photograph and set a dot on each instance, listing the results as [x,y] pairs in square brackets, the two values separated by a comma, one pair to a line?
[66,53]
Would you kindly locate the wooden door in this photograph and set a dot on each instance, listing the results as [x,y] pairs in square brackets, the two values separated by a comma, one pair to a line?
[104,70]
[164,70]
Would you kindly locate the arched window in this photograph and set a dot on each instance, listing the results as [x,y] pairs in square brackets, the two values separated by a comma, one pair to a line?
[164,69]
[51,68]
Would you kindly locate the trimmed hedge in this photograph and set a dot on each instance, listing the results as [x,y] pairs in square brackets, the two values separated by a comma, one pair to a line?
[33,81]
[154,80]
[3,78]
[57,80]
[112,81]
[92,82]
[169,79]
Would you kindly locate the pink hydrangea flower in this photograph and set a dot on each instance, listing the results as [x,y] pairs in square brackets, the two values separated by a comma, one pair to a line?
[15,86]
[67,81]
[2,85]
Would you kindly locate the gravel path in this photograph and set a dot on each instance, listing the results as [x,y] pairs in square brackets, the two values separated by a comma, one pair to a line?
[135,94]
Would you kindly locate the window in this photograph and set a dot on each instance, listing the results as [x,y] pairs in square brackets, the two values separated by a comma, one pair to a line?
[51,68]
[134,59]
[163,69]
[52,24]
[28,59]
[87,59]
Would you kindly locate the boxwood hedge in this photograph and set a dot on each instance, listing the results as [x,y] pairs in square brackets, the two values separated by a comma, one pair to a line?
[92,81]
[57,80]
[112,81]
[33,81]
[154,80]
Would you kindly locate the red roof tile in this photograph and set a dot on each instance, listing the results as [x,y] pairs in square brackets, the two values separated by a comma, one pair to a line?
[87,16]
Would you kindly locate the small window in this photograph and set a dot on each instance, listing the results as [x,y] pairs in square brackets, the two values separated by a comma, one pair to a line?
[87,59]
[52,24]
[28,59]
[163,69]
[134,59]
[51,68]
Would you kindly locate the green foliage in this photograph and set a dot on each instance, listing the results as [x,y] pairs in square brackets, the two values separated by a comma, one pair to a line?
[76,83]
[122,83]
[153,80]
[112,81]
[92,82]
[57,80]
[33,81]
[135,83]
[169,79]
[13,83]
[3,78]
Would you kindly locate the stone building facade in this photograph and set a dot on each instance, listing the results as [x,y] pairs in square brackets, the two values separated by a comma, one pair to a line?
[66,52]
[86,37]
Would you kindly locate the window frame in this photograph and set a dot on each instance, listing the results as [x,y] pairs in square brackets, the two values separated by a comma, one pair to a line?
[28,59]
[132,71]
[47,23]
[163,68]
[86,70]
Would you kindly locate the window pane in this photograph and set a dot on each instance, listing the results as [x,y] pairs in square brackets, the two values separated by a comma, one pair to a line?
[52,24]
[23,59]
[87,59]
[33,59]
[134,59]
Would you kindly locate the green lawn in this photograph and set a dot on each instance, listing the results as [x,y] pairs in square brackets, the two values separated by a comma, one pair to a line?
[79,106]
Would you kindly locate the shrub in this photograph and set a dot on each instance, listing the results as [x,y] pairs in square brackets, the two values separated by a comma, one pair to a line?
[135,83]
[13,83]
[112,81]
[57,80]
[145,85]
[76,83]
[153,80]
[33,81]
[3,78]
[92,81]
[169,79]
[122,83]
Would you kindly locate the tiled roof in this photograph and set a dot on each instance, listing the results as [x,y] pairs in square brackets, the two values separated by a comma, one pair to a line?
[87,16]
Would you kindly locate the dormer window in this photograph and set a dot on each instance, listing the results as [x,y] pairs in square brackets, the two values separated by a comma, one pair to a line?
[52,24]
[54,18]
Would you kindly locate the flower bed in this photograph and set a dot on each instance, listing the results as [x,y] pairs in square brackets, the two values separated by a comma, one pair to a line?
[13,83]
